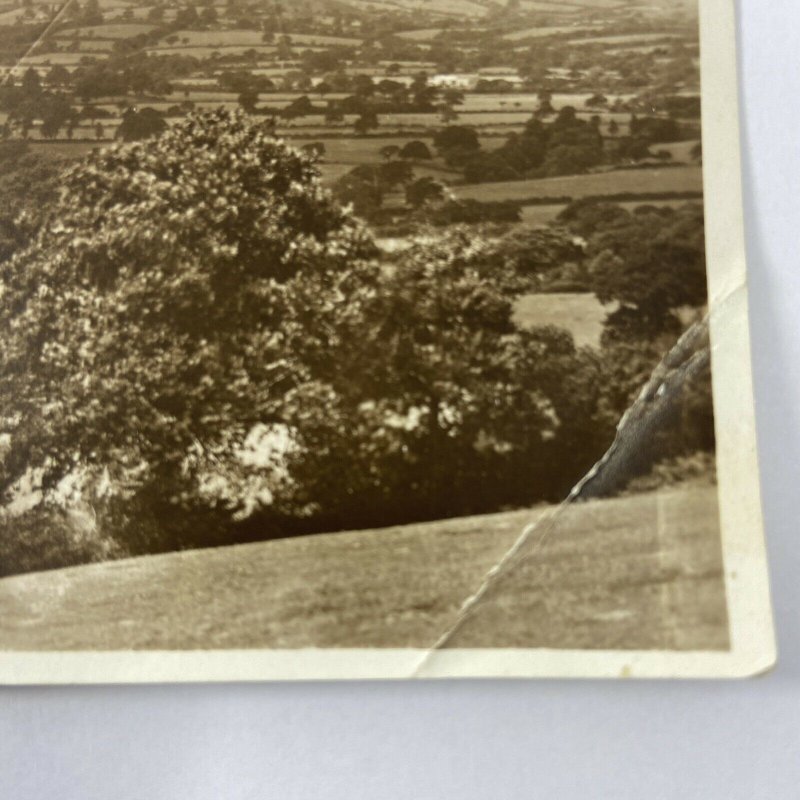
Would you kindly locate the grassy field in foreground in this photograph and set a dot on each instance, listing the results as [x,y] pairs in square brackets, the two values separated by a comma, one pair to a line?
[640,572]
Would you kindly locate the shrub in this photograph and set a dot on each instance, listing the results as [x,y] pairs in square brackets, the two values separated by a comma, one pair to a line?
[47,538]
[454,212]
[695,468]
[488,167]
[417,150]
[424,190]
[456,137]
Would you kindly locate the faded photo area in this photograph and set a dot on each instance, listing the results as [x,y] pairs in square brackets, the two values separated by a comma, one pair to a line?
[355,325]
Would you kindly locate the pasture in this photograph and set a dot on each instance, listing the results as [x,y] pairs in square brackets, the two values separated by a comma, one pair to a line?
[421,35]
[323,40]
[639,572]
[444,8]
[551,7]
[613,182]
[206,51]
[115,31]
[581,314]
[216,38]
[50,59]
[680,151]
[629,38]
[541,32]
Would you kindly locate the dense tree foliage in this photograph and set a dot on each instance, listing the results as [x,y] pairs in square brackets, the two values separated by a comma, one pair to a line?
[29,184]
[144,319]
[139,124]
[200,325]
[415,149]
[568,145]
[424,190]
[651,263]
[436,403]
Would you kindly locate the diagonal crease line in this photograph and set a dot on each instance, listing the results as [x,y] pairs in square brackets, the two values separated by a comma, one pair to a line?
[56,18]
[690,355]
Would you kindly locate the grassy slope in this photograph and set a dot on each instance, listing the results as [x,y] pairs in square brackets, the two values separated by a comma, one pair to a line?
[638,572]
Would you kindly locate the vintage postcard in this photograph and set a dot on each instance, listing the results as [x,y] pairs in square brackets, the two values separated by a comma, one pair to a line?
[348,339]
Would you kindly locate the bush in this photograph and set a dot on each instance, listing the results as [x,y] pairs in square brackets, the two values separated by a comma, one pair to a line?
[694,468]
[455,212]
[424,190]
[487,168]
[655,129]
[416,150]
[456,137]
[43,538]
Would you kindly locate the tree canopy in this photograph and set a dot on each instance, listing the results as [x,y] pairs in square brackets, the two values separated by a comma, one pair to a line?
[651,262]
[149,321]
[200,322]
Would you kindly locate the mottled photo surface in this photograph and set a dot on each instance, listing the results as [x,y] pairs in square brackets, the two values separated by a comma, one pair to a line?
[357,326]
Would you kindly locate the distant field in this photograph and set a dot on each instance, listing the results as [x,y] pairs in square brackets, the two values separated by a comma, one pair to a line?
[100,46]
[65,149]
[632,37]
[116,31]
[250,38]
[204,51]
[46,59]
[218,38]
[640,181]
[321,39]
[478,119]
[444,7]
[120,5]
[641,48]
[495,102]
[540,215]
[556,8]
[422,35]
[79,133]
[530,101]
[542,31]
[11,17]
[359,149]
[641,572]
[680,151]
[581,314]
[605,3]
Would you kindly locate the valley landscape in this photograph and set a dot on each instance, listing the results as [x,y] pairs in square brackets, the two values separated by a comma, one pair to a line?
[313,305]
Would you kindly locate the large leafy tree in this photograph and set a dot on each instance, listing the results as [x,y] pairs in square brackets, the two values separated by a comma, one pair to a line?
[142,124]
[145,328]
[649,263]
[198,322]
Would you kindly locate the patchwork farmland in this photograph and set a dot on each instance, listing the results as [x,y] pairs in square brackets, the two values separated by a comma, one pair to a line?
[365,84]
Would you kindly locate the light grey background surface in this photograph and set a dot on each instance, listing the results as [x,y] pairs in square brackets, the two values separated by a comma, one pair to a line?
[503,740]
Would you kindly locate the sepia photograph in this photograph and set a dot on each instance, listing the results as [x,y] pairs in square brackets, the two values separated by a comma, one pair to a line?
[374,338]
